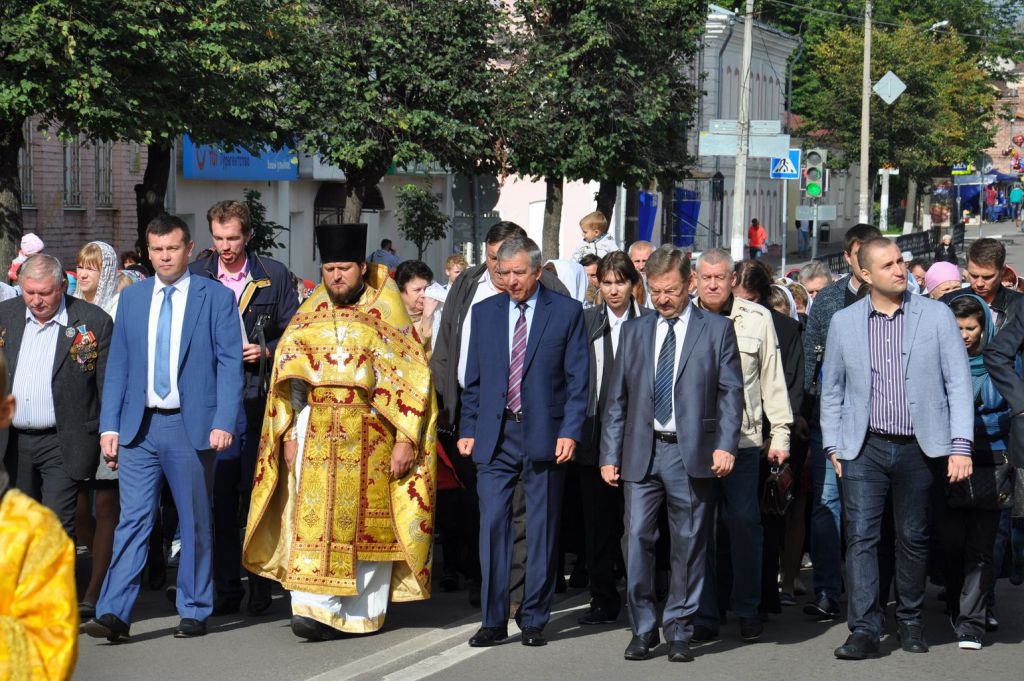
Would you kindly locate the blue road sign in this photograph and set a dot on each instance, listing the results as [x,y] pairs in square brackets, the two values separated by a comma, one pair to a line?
[787,168]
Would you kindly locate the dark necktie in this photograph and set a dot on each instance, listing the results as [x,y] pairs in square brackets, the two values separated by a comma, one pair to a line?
[664,375]
[515,369]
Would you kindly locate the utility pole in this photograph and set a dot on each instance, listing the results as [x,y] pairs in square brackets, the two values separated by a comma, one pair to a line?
[864,201]
[740,181]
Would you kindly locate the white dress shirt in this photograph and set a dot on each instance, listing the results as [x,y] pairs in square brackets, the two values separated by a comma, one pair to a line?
[178,299]
[660,331]
[33,378]
[513,317]
[484,290]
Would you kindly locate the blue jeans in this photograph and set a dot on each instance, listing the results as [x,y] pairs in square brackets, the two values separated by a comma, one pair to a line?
[826,511]
[805,240]
[880,467]
[740,512]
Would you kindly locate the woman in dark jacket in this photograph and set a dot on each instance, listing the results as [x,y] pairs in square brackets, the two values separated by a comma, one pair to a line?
[965,537]
[945,252]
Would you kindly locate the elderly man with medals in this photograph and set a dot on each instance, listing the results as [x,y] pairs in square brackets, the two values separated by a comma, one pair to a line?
[343,497]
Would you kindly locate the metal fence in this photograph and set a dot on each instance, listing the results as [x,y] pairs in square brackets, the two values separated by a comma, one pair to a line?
[921,246]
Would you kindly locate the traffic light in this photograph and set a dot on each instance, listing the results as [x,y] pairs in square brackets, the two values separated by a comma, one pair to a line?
[814,173]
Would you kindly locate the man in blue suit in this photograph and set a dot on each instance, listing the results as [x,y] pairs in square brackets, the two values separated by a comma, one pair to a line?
[523,409]
[897,411]
[170,403]
[671,426]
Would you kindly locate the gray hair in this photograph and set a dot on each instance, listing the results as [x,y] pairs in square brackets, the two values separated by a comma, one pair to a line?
[814,270]
[514,245]
[41,266]
[635,244]
[715,256]
[665,259]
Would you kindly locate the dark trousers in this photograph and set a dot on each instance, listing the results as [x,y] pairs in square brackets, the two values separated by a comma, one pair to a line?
[602,507]
[542,483]
[882,466]
[232,486]
[460,516]
[964,540]
[41,474]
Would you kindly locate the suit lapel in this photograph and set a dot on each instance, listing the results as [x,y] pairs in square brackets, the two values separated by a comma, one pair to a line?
[502,326]
[540,320]
[694,328]
[63,340]
[649,330]
[193,304]
[911,319]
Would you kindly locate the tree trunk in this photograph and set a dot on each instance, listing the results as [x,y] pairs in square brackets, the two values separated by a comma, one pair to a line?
[11,140]
[606,195]
[149,195]
[910,215]
[356,193]
[552,218]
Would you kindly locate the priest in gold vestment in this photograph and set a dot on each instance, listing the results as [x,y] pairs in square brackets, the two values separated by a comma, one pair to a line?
[343,496]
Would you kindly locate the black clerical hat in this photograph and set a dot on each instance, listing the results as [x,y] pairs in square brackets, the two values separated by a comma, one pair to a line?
[341,243]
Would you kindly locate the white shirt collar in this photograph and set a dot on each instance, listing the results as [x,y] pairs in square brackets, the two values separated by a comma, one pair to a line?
[61,317]
[180,285]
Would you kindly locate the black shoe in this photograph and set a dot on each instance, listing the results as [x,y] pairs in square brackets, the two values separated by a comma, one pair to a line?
[260,596]
[991,623]
[488,636]
[702,634]
[911,637]
[824,608]
[751,628]
[171,594]
[597,616]
[857,647]
[679,651]
[227,605]
[532,636]
[107,626]
[311,630]
[639,647]
[190,628]
[86,611]
[560,586]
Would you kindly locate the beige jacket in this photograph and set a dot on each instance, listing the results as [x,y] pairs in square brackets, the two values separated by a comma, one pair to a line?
[764,382]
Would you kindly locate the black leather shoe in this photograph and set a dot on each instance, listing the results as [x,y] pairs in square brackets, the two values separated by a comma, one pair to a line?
[260,596]
[639,647]
[190,628]
[311,630]
[751,628]
[857,647]
[109,627]
[702,634]
[597,616]
[991,623]
[488,636]
[822,608]
[227,605]
[532,636]
[911,637]
[679,651]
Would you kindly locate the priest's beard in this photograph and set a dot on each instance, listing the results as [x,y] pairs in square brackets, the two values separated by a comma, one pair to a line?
[345,299]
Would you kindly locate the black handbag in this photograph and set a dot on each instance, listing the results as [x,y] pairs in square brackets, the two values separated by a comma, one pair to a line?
[777,493]
[989,488]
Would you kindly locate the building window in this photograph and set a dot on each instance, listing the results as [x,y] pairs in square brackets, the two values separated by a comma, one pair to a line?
[72,173]
[25,164]
[104,181]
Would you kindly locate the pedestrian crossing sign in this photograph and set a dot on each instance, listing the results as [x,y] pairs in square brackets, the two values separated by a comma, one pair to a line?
[787,168]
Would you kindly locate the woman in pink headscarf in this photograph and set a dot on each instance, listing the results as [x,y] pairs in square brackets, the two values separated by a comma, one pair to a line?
[941,278]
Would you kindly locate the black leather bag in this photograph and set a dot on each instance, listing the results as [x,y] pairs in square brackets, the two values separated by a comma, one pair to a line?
[989,488]
[777,493]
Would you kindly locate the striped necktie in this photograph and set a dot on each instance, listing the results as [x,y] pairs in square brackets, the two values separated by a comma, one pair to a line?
[664,375]
[515,369]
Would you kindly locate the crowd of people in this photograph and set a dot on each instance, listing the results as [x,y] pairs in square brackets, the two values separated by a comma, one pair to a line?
[692,431]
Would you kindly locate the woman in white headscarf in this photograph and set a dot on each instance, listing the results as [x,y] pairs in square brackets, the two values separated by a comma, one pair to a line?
[96,270]
[573,277]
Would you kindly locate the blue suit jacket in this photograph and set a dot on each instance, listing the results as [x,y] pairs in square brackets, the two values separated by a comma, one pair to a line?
[708,396]
[935,370]
[555,375]
[209,363]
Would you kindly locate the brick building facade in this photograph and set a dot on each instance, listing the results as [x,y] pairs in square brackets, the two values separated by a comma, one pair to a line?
[1011,99]
[76,192]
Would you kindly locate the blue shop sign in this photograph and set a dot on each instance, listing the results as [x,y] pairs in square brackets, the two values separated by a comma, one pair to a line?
[210,162]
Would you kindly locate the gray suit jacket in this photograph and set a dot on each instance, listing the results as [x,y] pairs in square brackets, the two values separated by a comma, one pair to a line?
[935,370]
[708,396]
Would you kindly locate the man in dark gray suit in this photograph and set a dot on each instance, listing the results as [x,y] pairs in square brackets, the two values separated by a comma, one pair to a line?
[671,426]
[56,347]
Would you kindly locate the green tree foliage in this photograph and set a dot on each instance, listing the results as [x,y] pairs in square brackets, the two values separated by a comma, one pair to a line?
[421,221]
[264,231]
[141,70]
[945,115]
[395,81]
[599,90]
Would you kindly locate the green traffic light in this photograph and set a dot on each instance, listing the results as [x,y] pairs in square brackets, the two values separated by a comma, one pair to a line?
[813,189]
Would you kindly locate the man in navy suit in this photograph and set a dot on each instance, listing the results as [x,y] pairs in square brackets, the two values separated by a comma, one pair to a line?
[523,408]
[170,402]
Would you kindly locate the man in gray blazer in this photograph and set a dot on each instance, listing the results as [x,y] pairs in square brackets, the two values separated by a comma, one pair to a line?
[896,412]
[671,426]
